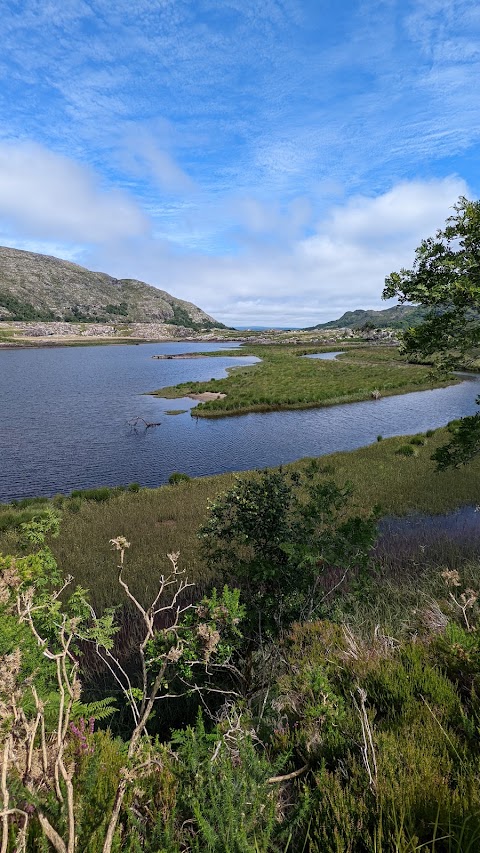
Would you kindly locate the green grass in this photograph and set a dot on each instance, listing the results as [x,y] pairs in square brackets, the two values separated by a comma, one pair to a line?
[285,380]
[158,521]
[7,334]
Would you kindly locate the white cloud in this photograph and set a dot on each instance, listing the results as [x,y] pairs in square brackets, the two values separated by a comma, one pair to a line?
[342,266]
[409,208]
[47,195]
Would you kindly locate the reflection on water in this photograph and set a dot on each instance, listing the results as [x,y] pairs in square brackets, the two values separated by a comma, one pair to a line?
[64,414]
[419,540]
[325,356]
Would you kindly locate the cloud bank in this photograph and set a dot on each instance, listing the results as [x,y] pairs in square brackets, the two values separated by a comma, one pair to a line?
[280,267]
[47,195]
[340,266]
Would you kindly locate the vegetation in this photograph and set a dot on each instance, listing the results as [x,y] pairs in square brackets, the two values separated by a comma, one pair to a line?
[315,685]
[157,520]
[272,533]
[285,380]
[16,309]
[327,732]
[445,280]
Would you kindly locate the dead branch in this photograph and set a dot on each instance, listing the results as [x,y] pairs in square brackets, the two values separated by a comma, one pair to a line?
[137,422]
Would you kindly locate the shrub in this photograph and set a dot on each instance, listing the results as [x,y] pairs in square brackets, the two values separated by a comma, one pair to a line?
[13,519]
[405,450]
[178,477]
[225,790]
[417,440]
[278,533]
[133,487]
[379,437]
[103,493]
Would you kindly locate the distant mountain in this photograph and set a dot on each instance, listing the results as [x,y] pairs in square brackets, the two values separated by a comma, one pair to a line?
[41,287]
[398,317]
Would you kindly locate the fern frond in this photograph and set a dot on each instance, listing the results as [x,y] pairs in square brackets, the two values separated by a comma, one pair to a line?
[100,710]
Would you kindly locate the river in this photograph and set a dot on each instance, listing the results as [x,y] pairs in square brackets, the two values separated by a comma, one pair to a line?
[64,414]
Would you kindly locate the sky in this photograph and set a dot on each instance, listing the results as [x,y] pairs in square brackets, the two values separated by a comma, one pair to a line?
[269,160]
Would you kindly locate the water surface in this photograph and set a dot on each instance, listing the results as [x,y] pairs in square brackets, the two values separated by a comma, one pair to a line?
[64,413]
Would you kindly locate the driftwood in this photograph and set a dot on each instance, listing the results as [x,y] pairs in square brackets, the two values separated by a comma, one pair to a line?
[137,423]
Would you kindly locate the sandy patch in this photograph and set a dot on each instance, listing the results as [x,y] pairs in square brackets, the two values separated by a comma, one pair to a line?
[207,395]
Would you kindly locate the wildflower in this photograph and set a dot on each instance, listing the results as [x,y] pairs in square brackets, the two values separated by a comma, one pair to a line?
[451,577]
[468,598]
[120,543]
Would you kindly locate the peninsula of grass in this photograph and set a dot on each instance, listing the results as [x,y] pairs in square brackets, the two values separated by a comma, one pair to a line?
[284,379]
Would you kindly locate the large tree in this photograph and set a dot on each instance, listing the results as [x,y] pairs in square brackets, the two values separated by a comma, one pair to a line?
[445,278]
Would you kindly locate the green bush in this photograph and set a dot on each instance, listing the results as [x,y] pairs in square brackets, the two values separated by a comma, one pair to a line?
[277,532]
[178,477]
[103,493]
[417,440]
[405,450]
[13,519]
[226,793]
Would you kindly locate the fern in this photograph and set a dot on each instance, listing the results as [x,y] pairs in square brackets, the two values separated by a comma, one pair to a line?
[101,710]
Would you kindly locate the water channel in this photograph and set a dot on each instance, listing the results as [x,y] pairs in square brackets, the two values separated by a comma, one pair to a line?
[64,414]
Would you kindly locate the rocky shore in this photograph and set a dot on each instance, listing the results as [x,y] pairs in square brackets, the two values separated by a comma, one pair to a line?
[60,333]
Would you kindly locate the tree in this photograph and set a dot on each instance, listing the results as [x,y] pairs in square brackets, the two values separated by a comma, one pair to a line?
[445,279]
[280,532]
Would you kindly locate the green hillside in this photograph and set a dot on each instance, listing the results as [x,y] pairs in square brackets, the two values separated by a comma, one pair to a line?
[398,317]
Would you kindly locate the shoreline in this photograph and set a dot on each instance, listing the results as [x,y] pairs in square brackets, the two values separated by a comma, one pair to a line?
[67,341]
[344,464]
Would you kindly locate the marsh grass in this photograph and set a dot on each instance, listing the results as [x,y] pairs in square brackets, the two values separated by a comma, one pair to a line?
[284,380]
[158,521]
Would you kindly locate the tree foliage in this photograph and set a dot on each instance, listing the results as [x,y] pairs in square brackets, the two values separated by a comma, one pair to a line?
[445,279]
[279,533]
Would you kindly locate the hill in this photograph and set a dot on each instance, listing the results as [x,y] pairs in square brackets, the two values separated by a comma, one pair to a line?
[398,317]
[41,287]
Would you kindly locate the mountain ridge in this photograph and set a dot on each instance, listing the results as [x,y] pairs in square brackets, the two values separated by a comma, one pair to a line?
[43,287]
[396,317]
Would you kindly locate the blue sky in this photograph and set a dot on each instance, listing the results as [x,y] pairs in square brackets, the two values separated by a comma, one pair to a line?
[269,160]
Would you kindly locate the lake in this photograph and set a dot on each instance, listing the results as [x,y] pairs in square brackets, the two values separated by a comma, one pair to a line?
[64,414]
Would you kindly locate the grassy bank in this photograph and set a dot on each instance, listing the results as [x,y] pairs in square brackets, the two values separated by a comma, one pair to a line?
[283,379]
[158,521]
